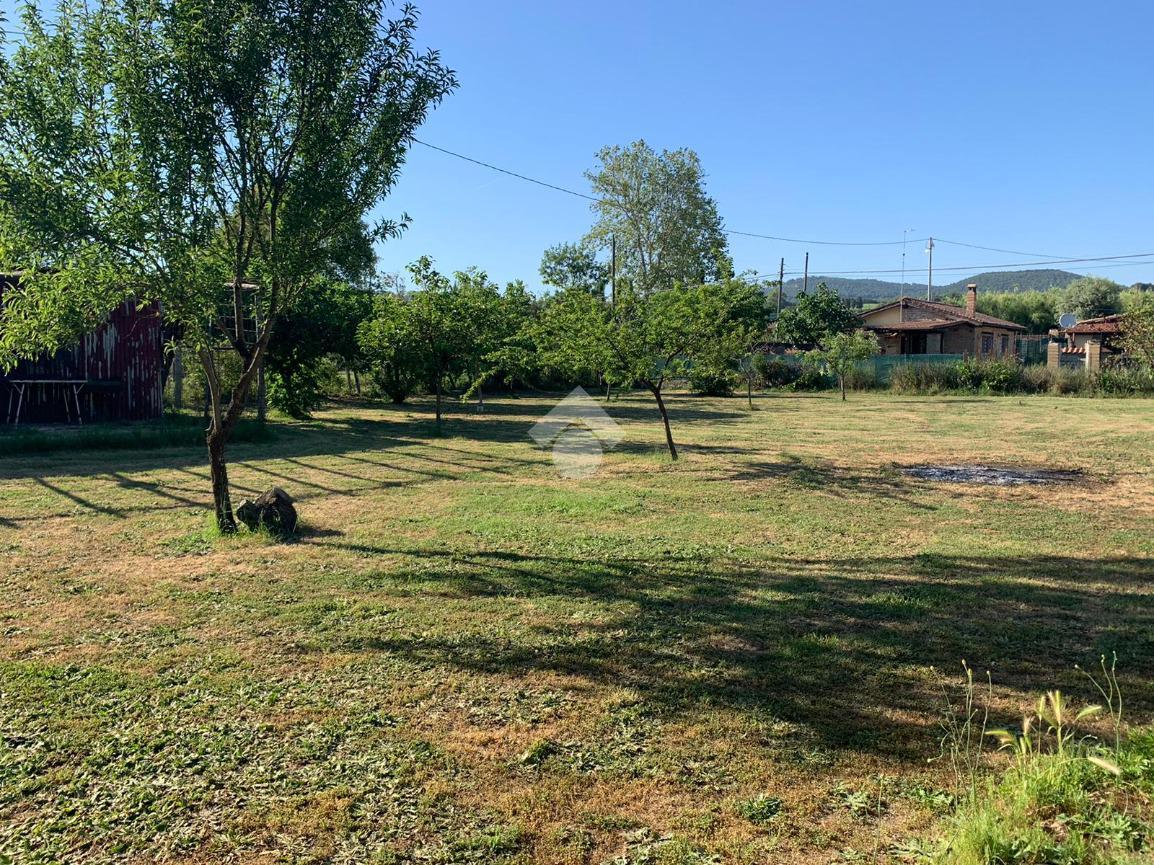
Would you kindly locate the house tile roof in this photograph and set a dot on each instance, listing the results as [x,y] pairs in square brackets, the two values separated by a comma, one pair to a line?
[919,324]
[948,311]
[1103,324]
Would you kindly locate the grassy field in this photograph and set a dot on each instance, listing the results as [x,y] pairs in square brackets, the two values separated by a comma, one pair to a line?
[466,658]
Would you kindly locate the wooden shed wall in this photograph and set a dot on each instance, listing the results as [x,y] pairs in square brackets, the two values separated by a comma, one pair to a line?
[122,360]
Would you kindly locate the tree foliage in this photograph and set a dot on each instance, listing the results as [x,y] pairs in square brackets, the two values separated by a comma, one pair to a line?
[814,318]
[648,339]
[841,352]
[322,323]
[1091,297]
[1138,332]
[667,227]
[1037,311]
[444,329]
[574,265]
[212,155]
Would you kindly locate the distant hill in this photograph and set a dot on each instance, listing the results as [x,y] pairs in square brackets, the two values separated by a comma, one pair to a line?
[880,289]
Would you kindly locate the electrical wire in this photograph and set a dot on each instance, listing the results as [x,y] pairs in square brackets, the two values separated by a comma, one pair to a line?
[994,248]
[1130,259]
[726,231]
[1053,258]
[507,171]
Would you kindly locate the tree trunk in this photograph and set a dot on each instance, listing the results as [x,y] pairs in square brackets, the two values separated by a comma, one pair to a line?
[357,381]
[438,403]
[480,399]
[222,421]
[608,390]
[749,391]
[221,497]
[348,381]
[841,384]
[665,420]
[261,394]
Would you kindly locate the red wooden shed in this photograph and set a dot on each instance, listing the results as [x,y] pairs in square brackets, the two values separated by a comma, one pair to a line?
[112,374]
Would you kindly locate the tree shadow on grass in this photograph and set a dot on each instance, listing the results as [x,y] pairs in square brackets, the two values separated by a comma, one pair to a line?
[842,646]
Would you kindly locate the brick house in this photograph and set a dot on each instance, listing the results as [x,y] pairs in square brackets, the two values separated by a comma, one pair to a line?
[1087,343]
[911,326]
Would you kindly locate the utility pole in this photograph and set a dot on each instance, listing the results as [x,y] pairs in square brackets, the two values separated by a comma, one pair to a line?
[780,286]
[930,274]
[902,289]
[805,280]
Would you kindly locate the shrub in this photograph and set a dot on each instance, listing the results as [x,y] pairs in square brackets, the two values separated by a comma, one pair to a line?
[775,372]
[1036,379]
[863,378]
[1000,376]
[811,377]
[712,380]
[925,377]
[1065,381]
[1120,381]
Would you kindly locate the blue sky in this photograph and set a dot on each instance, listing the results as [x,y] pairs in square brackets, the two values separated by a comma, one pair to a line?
[1023,125]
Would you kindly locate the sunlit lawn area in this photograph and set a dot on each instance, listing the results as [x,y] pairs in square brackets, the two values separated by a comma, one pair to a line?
[466,657]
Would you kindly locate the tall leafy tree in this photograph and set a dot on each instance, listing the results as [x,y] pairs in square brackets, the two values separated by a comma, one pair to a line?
[210,155]
[1091,297]
[1138,331]
[439,330]
[668,228]
[814,318]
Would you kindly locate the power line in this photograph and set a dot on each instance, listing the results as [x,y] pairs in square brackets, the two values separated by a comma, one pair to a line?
[507,171]
[1052,259]
[574,192]
[829,242]
[994,248]
[1130,259]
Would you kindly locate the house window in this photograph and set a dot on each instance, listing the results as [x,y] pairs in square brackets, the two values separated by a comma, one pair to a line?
[1005,344]
[987,344]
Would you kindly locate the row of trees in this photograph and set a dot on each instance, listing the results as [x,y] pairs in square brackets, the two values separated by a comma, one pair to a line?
[1038,311]
[464,329]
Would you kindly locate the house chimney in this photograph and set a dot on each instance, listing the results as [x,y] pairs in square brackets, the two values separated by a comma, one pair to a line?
[971,299]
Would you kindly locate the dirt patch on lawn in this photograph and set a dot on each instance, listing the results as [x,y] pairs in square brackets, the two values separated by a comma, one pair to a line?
[992,475]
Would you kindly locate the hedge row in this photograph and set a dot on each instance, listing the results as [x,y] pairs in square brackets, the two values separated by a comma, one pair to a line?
[966,376]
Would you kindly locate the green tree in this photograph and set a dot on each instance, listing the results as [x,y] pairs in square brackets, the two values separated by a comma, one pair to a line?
[667,227]
[322,323]
[438,329]
[841,352]
[574,265]
[1091,297]
[1138,331]
[210,155]
[388,341]
[814,318]
[1037,311]
[649,339]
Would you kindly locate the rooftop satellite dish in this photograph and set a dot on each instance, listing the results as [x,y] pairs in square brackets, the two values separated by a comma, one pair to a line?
[1067,319]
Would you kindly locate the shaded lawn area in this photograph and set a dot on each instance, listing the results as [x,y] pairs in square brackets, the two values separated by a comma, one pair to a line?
[467,658]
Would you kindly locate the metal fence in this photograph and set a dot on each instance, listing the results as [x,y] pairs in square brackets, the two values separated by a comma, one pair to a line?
[883,365]
[1032,349]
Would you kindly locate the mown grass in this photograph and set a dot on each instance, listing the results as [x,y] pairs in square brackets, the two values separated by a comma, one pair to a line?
[468,658]
[174,430]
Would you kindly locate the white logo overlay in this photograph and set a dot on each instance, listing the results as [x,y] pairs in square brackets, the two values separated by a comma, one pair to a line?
[579,431]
